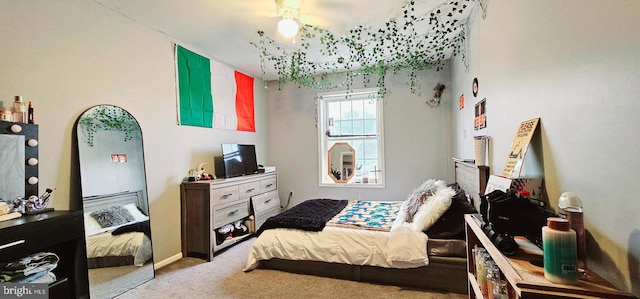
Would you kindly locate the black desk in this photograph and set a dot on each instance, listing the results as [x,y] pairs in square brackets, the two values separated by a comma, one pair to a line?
[60,232]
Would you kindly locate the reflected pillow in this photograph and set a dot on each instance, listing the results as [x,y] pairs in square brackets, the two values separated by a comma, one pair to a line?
[112,216]
[136,213]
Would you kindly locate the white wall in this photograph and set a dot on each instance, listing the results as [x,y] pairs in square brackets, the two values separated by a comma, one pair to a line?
[417,140]
[67,56]
[575,65]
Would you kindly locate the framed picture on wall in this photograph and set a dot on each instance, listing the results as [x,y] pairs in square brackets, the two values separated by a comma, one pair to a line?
[480,115]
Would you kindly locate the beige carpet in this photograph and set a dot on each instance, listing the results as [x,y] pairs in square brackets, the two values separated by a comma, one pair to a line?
[223,278]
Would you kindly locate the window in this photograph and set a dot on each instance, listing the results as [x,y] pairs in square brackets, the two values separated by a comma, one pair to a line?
[350,125]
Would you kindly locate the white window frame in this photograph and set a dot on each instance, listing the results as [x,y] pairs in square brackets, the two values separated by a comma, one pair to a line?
[324,140]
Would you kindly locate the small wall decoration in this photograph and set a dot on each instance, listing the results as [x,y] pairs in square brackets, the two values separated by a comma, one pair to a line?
[481,115]
[118,158]
[461,101]
[519,148]
[474,87]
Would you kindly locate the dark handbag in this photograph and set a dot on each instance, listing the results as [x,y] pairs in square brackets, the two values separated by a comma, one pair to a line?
[515,215]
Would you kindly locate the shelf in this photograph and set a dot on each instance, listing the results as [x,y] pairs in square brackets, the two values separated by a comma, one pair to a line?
[527,278]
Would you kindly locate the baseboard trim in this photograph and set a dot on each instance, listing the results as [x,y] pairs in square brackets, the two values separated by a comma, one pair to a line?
[167,261]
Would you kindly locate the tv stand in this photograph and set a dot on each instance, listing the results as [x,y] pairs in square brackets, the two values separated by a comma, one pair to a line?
[209,205]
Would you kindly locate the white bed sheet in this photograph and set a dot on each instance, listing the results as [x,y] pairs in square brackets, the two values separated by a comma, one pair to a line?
[343,245]
[134,244]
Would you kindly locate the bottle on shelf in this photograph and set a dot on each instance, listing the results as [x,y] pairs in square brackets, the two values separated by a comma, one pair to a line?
[559,251]
[30,113]
[19,110]
[570,206]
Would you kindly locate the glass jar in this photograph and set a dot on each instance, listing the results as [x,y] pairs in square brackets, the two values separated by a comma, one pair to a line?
[500,289]
[482,273]
[493,274]
[6,115]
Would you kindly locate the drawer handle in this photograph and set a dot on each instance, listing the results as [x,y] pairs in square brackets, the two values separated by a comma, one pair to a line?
[12,244]
[233,213]
[250,190]
[226,195]
[268,200]
[269,185]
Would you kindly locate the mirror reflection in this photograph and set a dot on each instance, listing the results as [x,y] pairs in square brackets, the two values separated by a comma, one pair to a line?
[341,162]
[114,196]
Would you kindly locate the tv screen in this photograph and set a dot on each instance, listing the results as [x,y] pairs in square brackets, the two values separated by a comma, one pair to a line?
[239,159]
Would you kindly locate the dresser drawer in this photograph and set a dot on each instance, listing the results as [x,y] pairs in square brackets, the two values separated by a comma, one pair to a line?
[265,202]
[224,195]
[229,214]
[262,217]
[249,189]
[267,185]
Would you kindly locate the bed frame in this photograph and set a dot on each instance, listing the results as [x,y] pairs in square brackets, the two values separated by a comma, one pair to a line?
[445,274]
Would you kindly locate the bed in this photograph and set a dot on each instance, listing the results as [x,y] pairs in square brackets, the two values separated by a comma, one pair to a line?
[117,230]
[441,266]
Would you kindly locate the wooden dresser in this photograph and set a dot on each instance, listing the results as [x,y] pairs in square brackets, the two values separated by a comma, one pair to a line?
[209,205]
[59,232]
[524,278]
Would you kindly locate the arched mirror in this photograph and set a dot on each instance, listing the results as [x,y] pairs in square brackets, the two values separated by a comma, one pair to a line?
[114,200]
[341,162]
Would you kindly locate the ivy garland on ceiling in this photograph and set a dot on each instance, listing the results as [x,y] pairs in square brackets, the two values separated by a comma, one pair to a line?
[412,42]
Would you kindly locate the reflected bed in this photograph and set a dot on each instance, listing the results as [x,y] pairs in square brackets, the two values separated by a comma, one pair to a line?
[116,244]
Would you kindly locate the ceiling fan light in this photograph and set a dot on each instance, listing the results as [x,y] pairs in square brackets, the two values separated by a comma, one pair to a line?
[288,27]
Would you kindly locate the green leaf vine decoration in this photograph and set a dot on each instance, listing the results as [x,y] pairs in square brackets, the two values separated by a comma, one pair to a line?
[109,118]
[412,42]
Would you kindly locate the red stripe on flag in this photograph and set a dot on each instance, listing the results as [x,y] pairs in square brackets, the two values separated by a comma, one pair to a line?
[244,102]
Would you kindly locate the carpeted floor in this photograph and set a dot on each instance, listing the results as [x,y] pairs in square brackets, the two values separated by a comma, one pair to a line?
[223,278]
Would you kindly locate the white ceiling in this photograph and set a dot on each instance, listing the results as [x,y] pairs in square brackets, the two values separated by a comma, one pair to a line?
[224,29]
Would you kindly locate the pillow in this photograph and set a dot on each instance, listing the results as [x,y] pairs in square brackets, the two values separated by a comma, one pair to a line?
[136,213]
[112,216]
[91,226]
[451,224]
[434,207]
[419,195]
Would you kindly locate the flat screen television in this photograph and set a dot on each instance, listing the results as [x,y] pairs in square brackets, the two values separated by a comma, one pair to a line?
[239,159]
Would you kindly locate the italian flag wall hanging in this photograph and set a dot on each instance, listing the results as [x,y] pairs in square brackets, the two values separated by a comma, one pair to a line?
[213,95]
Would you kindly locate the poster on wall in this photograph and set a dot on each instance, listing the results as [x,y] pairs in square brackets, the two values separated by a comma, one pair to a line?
[480,115]
[519,148]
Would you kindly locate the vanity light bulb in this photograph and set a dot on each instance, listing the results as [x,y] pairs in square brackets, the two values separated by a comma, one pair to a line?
[32,142]
[32,161]
[16,128]
[32,180]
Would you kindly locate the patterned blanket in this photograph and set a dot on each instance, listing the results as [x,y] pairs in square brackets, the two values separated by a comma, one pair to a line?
[370,215]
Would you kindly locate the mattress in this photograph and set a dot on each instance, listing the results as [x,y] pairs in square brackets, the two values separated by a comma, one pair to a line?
[117,250]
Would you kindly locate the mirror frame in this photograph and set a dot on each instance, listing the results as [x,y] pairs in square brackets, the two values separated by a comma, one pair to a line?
[348,149]
[30,133]
[94,200]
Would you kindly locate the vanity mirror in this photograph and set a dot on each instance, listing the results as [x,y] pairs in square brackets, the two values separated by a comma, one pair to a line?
[19,156]
[341,162]
[114,199]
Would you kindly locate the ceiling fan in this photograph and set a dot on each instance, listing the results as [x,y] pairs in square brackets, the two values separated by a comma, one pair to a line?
[289,11]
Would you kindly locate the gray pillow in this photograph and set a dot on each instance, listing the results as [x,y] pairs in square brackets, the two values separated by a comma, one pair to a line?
[112,216]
